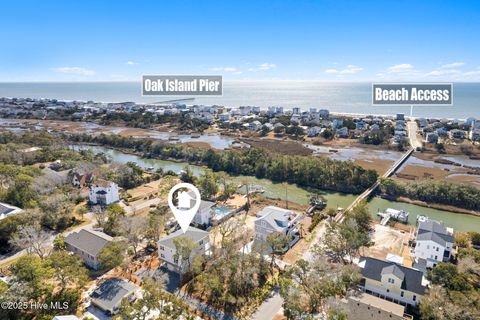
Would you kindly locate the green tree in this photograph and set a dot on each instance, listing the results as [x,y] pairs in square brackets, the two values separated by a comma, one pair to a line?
[34,272]
[112,255]
[208,184]
[277,243]
[154,299]
[69,270]
[184,249]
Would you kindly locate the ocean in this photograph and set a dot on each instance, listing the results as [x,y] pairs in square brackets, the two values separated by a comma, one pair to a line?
[337,97]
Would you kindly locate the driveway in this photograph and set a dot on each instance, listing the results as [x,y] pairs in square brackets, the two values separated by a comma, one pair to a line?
[270,307]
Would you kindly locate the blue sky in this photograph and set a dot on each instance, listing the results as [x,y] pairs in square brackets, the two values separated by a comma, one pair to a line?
[294,40]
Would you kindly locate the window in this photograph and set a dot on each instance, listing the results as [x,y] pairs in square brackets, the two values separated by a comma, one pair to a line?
[388,290]
[201,242]
[175,260]
[162,248]
[162,256]
[436,257]
[390,280]
[414,298]
[401,294]
[437,249]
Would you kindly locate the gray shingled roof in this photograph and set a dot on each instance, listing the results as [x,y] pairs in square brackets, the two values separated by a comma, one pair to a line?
[435,231]
[433,226]
[206,205]
[276,217]
[192,233]
[88,241]
[111,292]
[4,209]
[395,270]
[412,280]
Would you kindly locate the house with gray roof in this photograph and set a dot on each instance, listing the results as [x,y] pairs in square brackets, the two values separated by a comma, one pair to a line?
[167,251]
[109,295]
[205,213]
[274,219]
[8,210]
[392,282]
[88,244]
[433,243]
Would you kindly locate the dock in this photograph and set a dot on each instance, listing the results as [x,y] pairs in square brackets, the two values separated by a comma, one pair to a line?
[341,216]
[397,215]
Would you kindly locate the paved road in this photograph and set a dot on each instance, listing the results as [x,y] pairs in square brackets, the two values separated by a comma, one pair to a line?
[412,134]
[269,308]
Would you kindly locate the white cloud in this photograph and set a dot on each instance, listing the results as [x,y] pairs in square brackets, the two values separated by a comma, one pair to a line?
[350,69]
[331,71]
[75,71]
[263,67]
[452,65]
[232,70]
[443,72]
[131,63]
[401,68]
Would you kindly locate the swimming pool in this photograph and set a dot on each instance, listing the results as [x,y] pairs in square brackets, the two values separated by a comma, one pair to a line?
[222,211]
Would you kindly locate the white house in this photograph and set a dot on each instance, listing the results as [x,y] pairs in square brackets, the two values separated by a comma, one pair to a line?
[204,213]
[433,243]
[167,250]
[103,192]
[8,210]
[274,219]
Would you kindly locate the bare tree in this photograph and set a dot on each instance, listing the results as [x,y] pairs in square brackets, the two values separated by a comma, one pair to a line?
[134,229]
[33,239]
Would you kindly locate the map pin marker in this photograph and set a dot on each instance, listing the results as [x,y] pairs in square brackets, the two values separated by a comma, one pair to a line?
[182,212]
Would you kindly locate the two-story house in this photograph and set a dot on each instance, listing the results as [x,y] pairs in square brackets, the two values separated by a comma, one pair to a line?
[205,213]
[103,192]
[167,250]
[88,244]
[392,282]
[274,219]
[433,243]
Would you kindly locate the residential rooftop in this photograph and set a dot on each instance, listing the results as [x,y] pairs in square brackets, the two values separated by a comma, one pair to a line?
[89,241]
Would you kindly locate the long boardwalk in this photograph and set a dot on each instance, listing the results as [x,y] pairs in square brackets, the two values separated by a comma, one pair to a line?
[341,215]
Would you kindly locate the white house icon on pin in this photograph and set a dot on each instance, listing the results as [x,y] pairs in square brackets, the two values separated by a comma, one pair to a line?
[184,200]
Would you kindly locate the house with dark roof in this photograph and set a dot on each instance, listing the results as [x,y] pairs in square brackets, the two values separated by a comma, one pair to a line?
[367,307]
[392,282]
[433,243]
[8,210]
[81,180]
[88,244]
[109,295]
[167,251]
